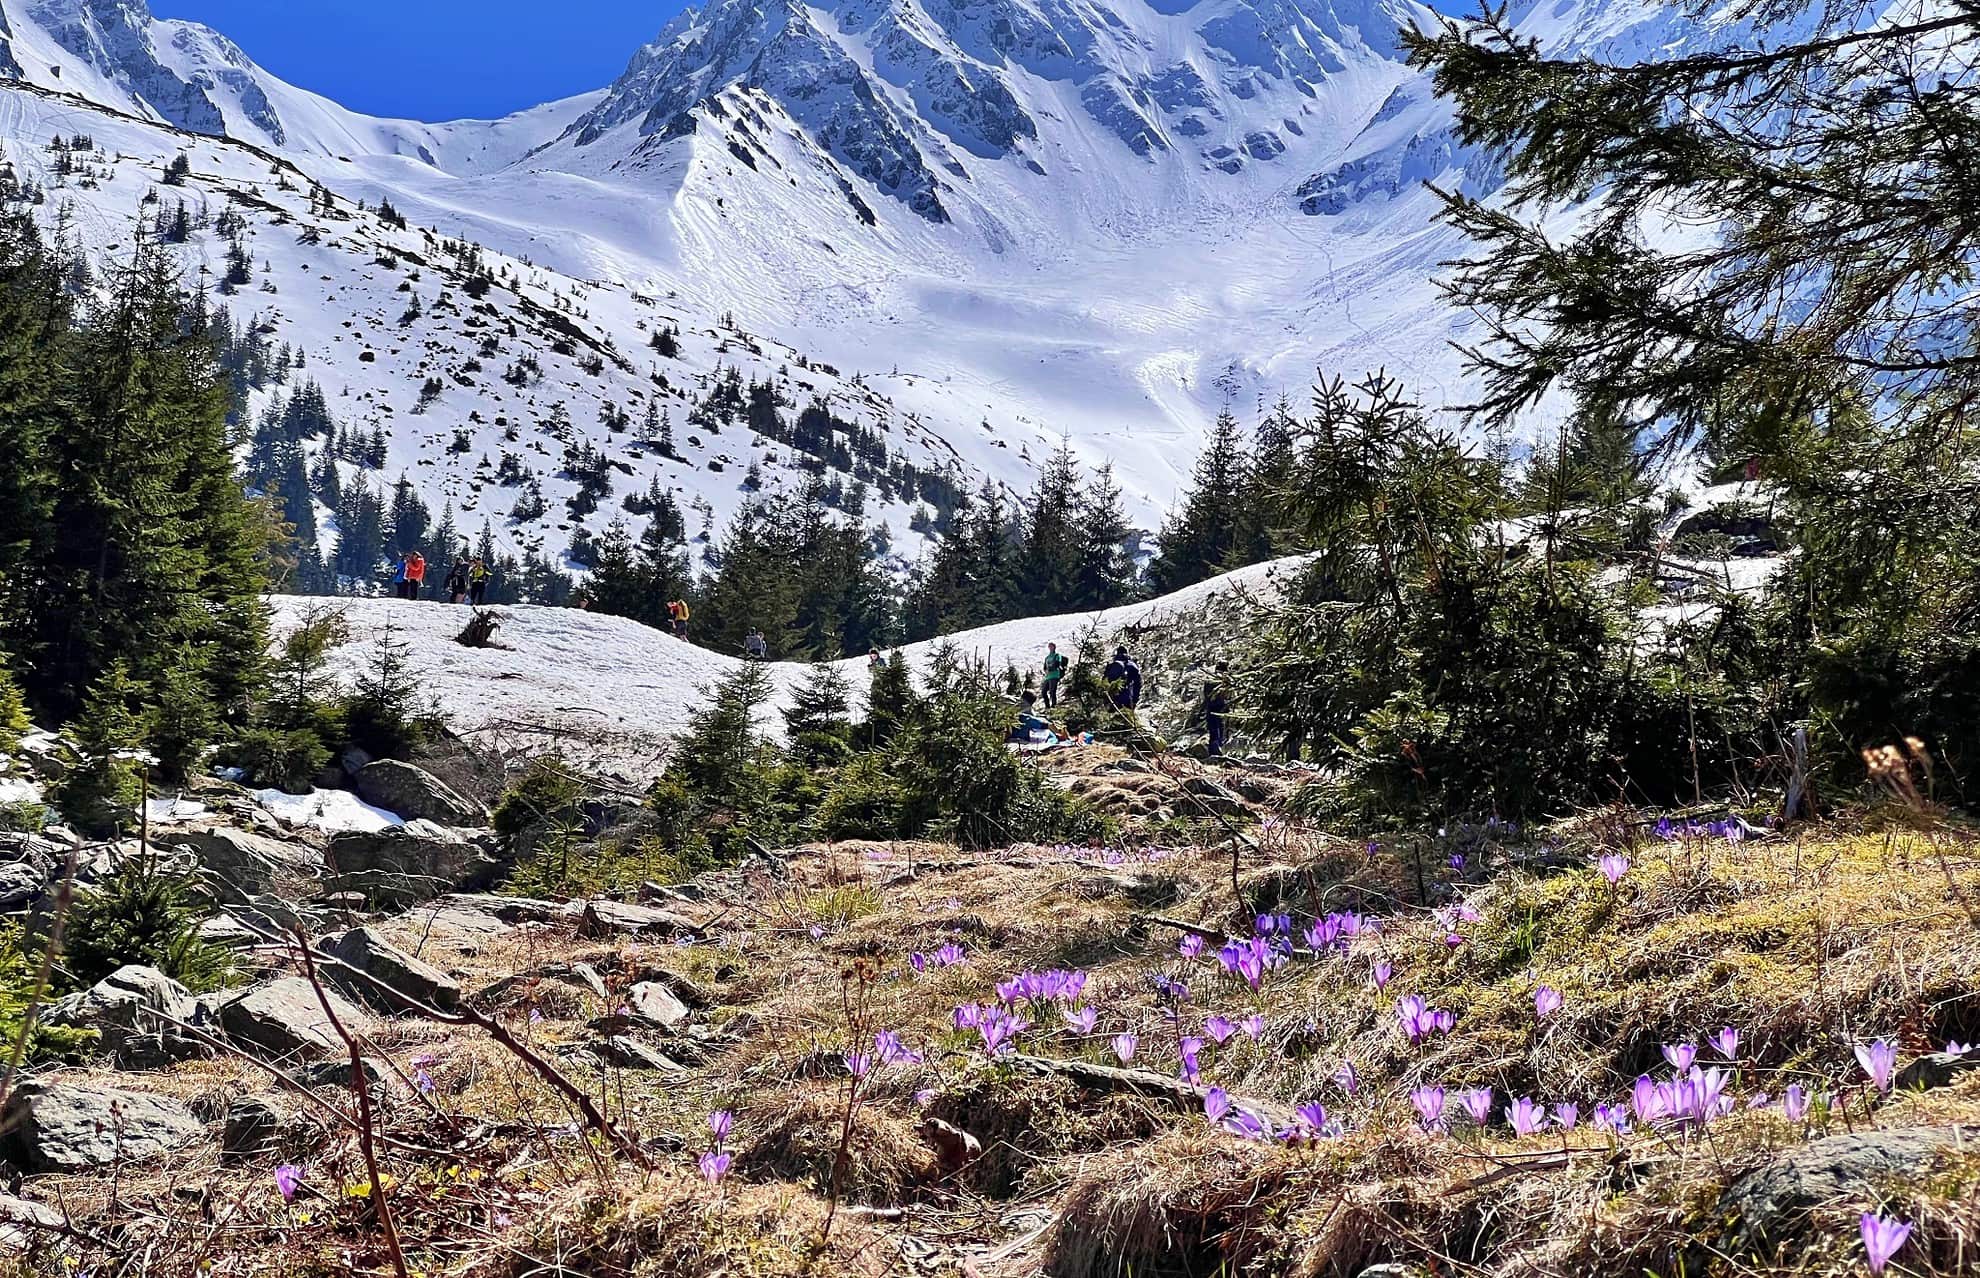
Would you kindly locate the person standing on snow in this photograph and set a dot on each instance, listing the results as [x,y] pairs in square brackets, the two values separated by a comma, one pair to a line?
[1056,666]
[457,582]
[401,577]
[1217,708]
[415,574]
[678,614]
[755,646]
[1124,677]
[478,575]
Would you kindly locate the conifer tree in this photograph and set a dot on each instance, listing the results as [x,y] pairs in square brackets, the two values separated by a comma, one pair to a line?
[1844,248]
[1049,572]
[100,794]
[818,721]
[1267,480]
[182,722]
[13,709]
[1106,568]
[37,368]
[1199,540]
[890,701]
[721,747]
[157,548]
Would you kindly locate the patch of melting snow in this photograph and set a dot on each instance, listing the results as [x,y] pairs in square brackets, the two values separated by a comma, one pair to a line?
[19,790]
[332,811]
[171,811]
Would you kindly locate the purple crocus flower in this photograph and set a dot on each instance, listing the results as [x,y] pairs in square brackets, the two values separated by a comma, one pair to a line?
[888,1047]
[1190,946]
[1612,1118]
[1429,1102]
[1246,1124]
[1882,1239]
[1380,972]
[1413,1012]
[1477,1102]
[288,1179]
[1956,1048]
[715,1165]
[1314,1115]
[1613,866]
[1878,1059]
[1794,1103]
[858,1064]
[1350,1082]
[1726,1043]
[719,1123]
[999,1029]
[1124,1045]
[1216,1104]
[918,961]
[1253,1026]
[1680,1055]
[1546,1001]
[1219,1028]
[949,955]
[1083,1020]
[1567,1115]
[1526,1116]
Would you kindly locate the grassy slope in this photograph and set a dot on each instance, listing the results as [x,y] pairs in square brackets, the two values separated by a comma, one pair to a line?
[1808,943]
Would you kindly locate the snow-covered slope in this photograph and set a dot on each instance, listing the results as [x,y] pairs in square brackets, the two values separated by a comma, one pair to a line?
[611,689]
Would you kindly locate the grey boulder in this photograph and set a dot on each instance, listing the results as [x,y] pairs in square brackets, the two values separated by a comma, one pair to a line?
[132,1002]
[242,864]
[62,1127]
[410,863]
[609,918]
[416,794]
[284,1020]
[367,951]
[652,1001]
[1769,1206]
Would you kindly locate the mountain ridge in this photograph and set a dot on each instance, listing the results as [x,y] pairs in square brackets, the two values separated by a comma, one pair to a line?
[1009,223]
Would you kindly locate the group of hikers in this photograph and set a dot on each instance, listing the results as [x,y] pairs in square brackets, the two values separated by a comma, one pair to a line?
[466,582]
[1122,679]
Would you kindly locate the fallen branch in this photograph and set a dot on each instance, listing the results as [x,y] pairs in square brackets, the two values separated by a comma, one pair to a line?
[1141,1082]
[581,1100]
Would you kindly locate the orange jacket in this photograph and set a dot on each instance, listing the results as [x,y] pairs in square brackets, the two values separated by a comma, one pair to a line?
[416,570]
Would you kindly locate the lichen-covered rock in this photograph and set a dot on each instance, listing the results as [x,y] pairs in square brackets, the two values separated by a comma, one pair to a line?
[61,1127]
[284,1020]
[1768,1206]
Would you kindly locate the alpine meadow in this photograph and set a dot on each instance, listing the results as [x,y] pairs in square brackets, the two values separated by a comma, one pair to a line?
[993,639]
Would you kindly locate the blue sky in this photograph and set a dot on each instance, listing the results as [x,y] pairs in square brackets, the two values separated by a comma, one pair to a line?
[436,59]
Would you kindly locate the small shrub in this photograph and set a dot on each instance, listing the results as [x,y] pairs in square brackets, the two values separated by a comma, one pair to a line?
[279,759]
[23,818]
[143,913]
[861,802]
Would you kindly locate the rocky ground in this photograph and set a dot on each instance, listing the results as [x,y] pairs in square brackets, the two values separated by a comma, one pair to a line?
[904,1058]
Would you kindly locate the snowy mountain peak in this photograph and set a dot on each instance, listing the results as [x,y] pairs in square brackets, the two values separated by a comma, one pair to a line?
[910,95]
